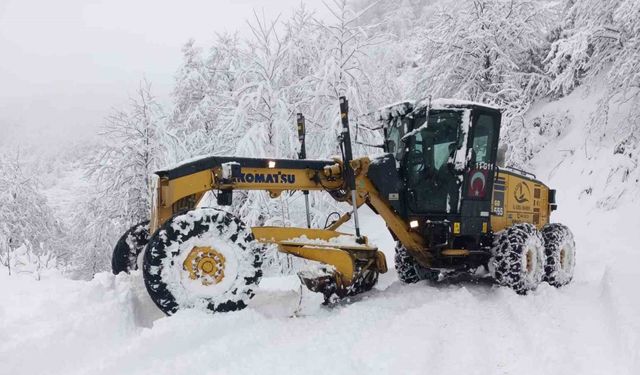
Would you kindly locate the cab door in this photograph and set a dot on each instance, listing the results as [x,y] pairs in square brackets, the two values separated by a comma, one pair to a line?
[433,185]
[480,172]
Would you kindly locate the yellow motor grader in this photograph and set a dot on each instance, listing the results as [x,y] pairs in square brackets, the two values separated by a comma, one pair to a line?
[438,188]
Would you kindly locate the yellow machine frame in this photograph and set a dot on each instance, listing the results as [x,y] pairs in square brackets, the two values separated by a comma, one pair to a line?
[517,199]
[184,193]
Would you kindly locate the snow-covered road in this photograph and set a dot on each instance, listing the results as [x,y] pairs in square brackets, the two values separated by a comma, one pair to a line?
[108,325]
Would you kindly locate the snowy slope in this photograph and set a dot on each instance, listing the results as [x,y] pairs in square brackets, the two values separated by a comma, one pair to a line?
[108,325]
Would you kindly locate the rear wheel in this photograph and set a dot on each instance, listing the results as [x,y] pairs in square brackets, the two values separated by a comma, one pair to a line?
[128,247]
[204,258]
[517,259]
[560,253]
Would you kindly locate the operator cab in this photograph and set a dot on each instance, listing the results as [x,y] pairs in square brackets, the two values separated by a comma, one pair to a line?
[445,155]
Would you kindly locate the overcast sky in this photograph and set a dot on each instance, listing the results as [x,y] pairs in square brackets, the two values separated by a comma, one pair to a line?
[65,63]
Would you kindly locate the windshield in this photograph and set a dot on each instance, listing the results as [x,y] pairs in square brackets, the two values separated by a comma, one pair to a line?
[434,185]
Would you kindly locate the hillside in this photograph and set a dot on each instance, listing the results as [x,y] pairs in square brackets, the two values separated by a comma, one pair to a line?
[108,325]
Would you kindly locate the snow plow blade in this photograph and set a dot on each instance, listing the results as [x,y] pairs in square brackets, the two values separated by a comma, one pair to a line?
[345,262]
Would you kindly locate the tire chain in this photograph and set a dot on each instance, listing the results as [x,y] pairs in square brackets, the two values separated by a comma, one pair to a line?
[507,255]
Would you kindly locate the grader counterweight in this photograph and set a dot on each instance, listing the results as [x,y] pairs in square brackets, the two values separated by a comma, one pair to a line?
[437,187]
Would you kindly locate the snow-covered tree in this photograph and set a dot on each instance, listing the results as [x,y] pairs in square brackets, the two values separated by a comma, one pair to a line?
[623,77]
[264,112]
[625,71]
[305,47]
[341,73]
[130,154]
[485,50]
[399,18]
[121,173]
[94,233]
[31,237]
[205,100]
[191,86]
[597,38]
[585,42]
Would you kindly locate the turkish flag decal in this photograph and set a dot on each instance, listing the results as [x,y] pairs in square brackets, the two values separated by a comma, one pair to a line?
[477,183]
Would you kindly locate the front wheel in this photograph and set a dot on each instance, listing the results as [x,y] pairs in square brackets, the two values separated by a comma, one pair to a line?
[517,259]
[205,258]
[409,270]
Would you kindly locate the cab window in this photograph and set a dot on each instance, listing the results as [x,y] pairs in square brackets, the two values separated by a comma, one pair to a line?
[483,138]
[395,133]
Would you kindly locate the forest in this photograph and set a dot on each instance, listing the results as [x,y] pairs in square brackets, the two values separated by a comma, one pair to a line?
[240,95]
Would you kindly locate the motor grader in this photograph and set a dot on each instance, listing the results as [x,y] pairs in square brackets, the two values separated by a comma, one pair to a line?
[438,187]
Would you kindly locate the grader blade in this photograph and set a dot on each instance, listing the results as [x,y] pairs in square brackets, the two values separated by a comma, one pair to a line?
[348,267]
[320,280]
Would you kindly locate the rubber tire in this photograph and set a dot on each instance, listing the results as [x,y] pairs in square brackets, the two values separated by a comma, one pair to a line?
[165,278]
[407,268]
[557,237]
[125,253]
[508,263]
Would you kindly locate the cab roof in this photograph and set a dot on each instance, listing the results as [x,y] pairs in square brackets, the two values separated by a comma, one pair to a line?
[412,106]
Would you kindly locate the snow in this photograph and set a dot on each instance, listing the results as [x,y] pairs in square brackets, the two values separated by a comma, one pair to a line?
[443,103]
[186,162]
[341,240]
[460,159]
[109,326]
[405,106]
[394,110]
[62,192]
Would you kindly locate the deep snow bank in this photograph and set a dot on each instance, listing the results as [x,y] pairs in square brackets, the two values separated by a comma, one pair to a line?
[108,326]
[72,327]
